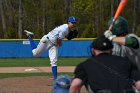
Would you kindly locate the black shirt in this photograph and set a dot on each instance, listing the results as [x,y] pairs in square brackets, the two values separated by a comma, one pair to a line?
[98,77]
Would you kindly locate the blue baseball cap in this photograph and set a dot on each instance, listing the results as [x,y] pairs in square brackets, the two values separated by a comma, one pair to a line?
[72,19]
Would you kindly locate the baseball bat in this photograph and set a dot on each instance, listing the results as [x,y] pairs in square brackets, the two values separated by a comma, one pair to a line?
[119,10]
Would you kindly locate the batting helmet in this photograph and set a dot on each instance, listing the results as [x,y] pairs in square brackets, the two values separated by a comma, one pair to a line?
[63,81]
[72,19]
[120,26]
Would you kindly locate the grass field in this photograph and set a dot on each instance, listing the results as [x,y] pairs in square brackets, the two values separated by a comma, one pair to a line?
[8,75]
[27,62]
[35,62]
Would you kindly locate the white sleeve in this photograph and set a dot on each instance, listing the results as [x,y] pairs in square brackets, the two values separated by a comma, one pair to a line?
[61,35]
[63,31]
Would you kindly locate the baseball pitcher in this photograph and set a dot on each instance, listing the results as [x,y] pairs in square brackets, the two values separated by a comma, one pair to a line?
[52,40]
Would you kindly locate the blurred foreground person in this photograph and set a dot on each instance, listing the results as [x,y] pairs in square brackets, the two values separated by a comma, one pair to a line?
[105,73]
[62,84]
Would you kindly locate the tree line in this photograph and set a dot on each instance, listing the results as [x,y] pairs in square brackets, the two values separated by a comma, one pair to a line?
[41,16]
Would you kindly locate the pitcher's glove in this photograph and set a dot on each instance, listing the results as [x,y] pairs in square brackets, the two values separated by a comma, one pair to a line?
[72,34]
[59,42]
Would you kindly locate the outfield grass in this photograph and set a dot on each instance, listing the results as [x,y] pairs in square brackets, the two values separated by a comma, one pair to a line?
[27,62]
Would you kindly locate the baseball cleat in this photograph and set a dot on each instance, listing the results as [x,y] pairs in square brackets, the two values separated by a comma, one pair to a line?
[28,33]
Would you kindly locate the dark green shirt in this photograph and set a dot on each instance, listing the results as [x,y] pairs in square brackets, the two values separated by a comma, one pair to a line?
[131,42]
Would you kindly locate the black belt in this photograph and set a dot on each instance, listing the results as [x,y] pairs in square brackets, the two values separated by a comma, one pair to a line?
[47,37]
[50,40]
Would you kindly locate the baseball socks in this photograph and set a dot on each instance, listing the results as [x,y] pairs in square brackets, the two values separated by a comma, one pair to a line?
[54,71]
[30,35]
[33,46]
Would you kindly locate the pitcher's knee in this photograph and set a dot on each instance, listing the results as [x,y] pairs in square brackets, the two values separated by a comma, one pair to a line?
[35,54]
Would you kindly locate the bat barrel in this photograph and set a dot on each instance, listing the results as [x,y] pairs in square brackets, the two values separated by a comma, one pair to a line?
[119,10]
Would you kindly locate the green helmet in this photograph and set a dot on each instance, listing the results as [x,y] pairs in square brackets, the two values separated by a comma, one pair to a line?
[120,26]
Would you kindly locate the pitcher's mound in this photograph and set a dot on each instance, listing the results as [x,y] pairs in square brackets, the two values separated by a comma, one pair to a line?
[34,84]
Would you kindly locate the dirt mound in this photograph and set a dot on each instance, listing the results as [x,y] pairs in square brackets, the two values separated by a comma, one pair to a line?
[35,84]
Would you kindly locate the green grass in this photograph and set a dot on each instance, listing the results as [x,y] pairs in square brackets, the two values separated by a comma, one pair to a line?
[9,75]
[27,62]
[34,62]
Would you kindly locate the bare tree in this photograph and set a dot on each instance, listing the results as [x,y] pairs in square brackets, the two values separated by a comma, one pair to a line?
[3,19]
[20,19]
[43,18]
[97,23]
[112,7]
[134,16]
[67,6]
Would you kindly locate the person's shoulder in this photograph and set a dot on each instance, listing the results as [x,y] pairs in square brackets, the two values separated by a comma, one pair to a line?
[120,58]
[64,25]
[86,60]
[134,38]
[90,60]
[84,63]
[132,35]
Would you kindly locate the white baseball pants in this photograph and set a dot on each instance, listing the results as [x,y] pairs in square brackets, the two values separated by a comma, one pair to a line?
[44,45]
